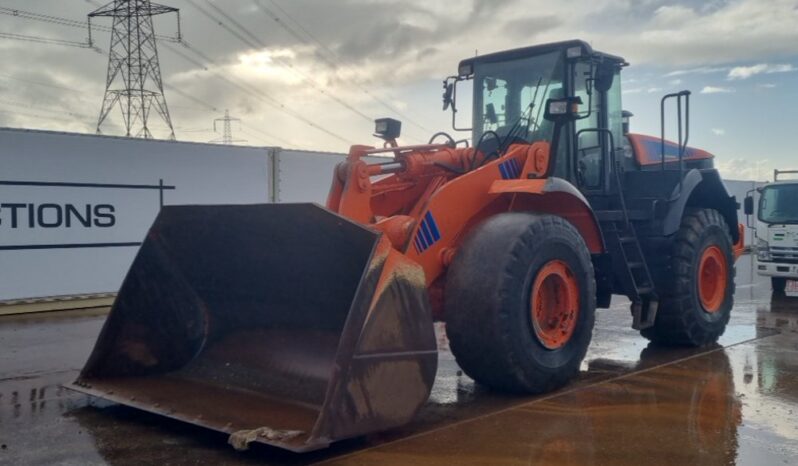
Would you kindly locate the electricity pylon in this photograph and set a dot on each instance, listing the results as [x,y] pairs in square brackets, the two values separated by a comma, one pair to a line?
[134,72]
[227,129]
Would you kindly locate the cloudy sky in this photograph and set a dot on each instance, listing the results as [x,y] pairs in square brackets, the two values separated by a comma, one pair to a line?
[314,73]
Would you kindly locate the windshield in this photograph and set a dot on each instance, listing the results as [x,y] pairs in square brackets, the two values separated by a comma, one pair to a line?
[511,96]
[779,204]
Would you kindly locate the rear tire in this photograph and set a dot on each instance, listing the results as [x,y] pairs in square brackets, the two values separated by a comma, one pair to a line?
[779,285]
[696,304]
[490,310]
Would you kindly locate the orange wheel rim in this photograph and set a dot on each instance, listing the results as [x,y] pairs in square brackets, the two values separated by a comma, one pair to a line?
[712,279]
[554,304]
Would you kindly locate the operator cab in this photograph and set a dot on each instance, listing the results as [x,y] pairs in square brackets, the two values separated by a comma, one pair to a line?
[512,89]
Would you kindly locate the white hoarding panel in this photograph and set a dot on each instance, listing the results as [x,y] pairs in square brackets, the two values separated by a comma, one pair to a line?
[306,176]
[74,208]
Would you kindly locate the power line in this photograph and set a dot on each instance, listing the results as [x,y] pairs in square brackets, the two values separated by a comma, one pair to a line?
[44,40]
[54,86]
[65,21]
[270,136]
[258,139]
[331,63]
[42,109]
[41,117]
[254,92]
[243,87]
[88,118]
[282,24]
[256,43]
[176,90]
[240,87]
[188,96]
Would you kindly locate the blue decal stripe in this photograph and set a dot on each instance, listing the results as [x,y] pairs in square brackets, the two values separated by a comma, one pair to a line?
[427,235]
[432,226]
[503,170]
[421,240]
[517,166]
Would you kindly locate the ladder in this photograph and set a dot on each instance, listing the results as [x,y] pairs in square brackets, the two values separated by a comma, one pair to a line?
[628,261]
[629,264]
[630,267]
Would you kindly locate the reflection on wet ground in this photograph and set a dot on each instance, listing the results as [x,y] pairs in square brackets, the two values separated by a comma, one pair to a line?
[736,402]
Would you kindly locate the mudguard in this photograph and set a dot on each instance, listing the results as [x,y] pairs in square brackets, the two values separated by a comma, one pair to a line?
[556,196]
[702,188]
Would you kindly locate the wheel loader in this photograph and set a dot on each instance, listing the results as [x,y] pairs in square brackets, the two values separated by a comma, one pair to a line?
[299,325]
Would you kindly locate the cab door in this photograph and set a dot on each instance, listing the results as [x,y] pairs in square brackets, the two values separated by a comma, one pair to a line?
[597,134]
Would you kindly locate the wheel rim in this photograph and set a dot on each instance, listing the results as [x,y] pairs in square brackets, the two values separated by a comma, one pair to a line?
[712,279]
[554,304]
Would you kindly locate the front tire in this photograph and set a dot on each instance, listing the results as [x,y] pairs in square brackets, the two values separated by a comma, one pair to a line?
[696,304]
[520,303]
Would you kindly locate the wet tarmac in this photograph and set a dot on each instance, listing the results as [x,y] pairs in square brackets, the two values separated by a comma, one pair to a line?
[733,403]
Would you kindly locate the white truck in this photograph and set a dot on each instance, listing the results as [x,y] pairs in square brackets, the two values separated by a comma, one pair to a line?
[776,231]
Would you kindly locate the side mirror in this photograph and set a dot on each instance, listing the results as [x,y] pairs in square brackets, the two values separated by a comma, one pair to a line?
[605,75]
[748,206]
[562,110]
[448,93]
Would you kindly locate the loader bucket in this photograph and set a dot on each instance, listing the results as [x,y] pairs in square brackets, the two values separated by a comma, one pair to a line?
[281,324]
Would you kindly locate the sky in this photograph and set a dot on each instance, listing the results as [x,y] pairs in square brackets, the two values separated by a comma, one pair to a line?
[313,74]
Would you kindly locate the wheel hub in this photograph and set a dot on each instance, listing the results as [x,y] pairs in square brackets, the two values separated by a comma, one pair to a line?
[712,279]
[554,304]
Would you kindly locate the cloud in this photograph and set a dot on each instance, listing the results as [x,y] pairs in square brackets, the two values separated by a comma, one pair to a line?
[393,50]
[767,86]
[699,70]
[672,15]
[718,131]
[743,168]
[716,90]
[730,32]
[531,26]
[745,72]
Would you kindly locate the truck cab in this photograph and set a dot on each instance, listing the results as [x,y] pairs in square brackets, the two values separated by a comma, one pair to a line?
[775,228]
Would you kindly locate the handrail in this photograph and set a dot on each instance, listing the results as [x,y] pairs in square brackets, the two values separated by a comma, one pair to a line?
[683,129]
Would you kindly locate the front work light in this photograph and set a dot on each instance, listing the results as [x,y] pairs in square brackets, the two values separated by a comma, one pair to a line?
[387,129]
[560,110]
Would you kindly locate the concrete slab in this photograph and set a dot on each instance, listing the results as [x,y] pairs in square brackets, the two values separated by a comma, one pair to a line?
[633,403]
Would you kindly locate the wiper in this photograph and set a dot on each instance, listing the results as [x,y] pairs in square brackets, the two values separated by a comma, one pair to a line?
[527,114]
[512,133]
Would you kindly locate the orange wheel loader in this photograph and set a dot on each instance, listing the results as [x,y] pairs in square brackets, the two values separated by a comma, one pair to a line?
[300,325]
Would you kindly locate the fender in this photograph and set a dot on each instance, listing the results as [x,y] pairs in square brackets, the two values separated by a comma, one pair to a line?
[702,188]
[555,196]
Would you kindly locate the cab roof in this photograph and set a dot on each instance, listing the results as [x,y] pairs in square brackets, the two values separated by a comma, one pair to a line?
[524,52]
